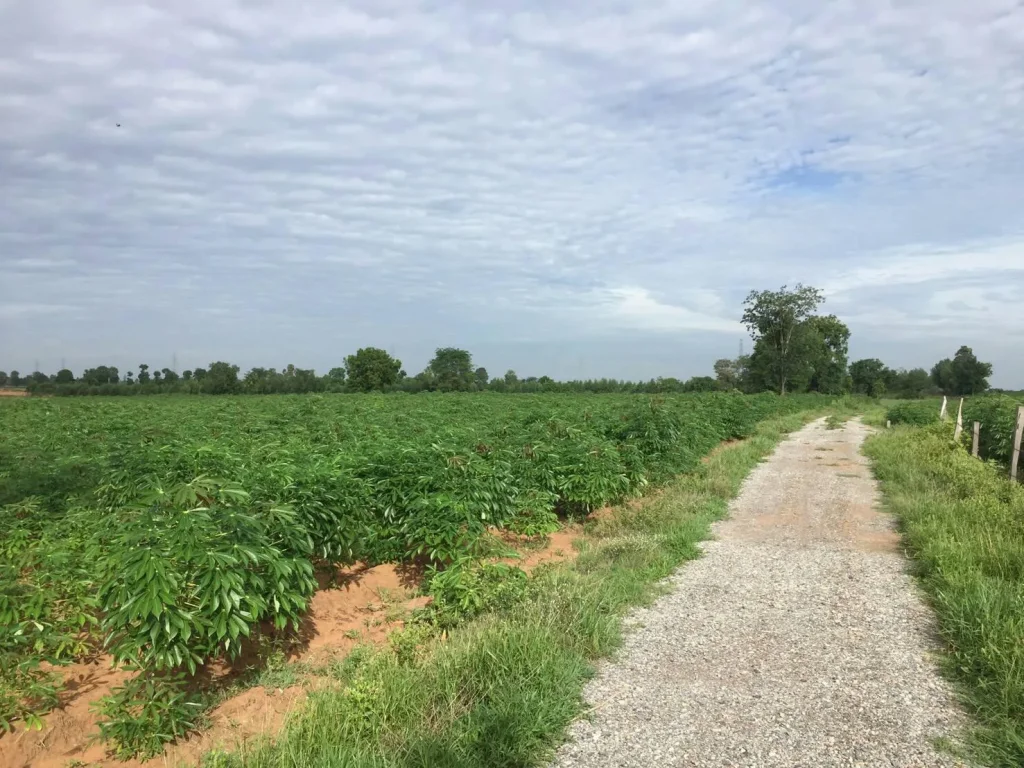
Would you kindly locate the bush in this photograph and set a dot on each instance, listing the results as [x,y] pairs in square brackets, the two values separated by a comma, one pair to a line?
[997,415]
[916,413]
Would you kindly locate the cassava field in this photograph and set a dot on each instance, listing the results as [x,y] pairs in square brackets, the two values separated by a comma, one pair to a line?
[169,532]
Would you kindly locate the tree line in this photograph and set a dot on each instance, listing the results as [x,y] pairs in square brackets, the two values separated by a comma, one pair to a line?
[795,350]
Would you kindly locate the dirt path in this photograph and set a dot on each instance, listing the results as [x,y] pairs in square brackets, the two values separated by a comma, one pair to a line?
[798,640]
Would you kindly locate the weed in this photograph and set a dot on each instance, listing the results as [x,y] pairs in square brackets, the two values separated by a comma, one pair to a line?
[961,521]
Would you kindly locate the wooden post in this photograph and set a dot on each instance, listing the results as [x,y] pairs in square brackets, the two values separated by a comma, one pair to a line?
[974,442]
[942,410]
[959,421]
[1018,433]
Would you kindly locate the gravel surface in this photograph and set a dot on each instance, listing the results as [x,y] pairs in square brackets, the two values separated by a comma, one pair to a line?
[797,640]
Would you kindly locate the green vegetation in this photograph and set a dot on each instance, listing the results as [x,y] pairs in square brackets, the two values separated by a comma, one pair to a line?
[500,690]
[997,415]
[172,532]
[963,523]
[917,413]
[963,375]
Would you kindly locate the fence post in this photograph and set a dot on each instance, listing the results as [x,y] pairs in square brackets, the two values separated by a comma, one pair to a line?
[974,442]
[888,424]
[942,411]
[1016,442]
[959,421]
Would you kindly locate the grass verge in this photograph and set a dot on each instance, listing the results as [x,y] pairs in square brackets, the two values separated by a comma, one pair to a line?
[500,689]
[963,524]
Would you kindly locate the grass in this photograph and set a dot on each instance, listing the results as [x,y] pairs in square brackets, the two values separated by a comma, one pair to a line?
[499,690]
[963,524]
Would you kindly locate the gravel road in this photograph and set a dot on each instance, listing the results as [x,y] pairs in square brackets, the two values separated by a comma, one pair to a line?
[797,640]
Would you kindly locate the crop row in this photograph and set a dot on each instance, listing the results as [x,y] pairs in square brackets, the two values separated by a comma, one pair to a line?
[167,532]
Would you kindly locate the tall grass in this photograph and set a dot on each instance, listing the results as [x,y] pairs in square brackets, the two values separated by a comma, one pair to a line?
[500,690]
[963,523]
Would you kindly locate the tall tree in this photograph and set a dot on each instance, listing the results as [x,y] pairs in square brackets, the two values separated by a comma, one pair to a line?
[221,379]
[831,343]
[143,373]
[868,376]
[4,378]
[942,376]
[371,369]
[64,376]
[773,319]
[970,375]
[481,378]
[452,369]
[15,379]
[727,373]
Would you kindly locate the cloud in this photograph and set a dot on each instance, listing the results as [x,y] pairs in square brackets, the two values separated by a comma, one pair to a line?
[260,181]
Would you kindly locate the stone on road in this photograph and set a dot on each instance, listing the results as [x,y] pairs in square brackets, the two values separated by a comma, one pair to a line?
[799,639]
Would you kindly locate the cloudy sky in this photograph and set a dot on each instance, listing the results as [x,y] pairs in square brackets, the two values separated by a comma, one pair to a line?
[581,188]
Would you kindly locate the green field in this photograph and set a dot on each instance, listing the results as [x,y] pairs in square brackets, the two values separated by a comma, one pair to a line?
[167,530]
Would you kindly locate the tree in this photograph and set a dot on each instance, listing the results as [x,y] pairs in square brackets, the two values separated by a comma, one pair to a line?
[64,376]
[157,376]
[4,378]
[452,369]
[942,375]
[773,319]
[371,369]
[100,375]
[481,378]
[868,376]
[511,379]
[169,376]
[970,375]
[186,375]
[910,384]
[199,374]
[727,373]
[700,384]
[829,351]
[143,373]
[15,379]
[221,379]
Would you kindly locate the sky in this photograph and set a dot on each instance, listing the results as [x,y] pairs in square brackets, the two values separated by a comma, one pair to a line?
[574,189]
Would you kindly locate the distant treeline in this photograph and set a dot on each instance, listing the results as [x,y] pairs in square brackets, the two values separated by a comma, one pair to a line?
[795,350]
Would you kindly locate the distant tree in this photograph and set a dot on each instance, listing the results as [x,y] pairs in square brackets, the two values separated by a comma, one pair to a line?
[128,378]
[481,378]
[186,375]
[868,376]
[15,379]
[371,369]
[143,373]
[969,375]
[199,374]
[830,343]
[727,373]
[510,378]
[773,319]
[221,379]
[64,376]
[700,384]
[909,384]
[4,378]
[337,374]
[169,376]
[100,375]
[942,376]
[38,377]
[157,376]
[452,369]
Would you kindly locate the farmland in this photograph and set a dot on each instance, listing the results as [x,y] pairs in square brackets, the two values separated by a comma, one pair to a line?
[168,532]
